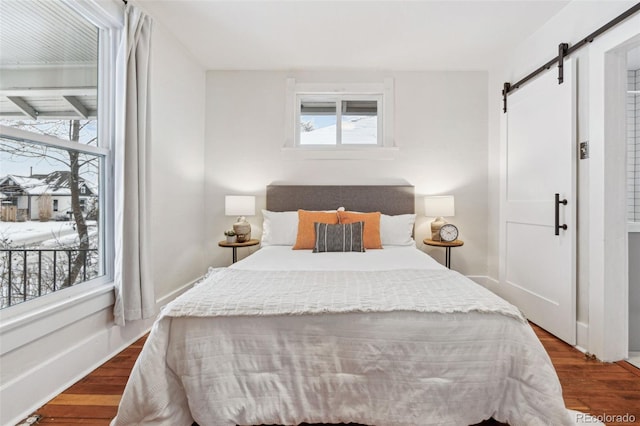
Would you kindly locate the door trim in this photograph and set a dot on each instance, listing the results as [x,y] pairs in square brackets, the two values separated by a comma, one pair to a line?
[608,238]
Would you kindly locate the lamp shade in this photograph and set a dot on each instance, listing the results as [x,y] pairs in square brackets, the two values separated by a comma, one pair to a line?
[239,205]
[439,206]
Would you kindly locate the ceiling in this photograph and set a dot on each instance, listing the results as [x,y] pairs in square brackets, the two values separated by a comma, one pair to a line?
[314,34]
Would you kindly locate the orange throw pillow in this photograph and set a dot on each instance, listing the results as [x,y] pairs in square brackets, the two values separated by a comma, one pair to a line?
[306,238]
[371,226]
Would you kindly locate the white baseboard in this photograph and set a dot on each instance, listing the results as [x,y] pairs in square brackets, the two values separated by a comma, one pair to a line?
[582,329]
[24,394]
[160,303]
[485,281]
[57,373]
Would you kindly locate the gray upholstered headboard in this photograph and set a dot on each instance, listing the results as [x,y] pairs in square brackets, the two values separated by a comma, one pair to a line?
[387,199]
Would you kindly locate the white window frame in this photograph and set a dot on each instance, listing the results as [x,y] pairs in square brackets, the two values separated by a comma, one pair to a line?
[68,305]
[106,274]
[382,91]
[337,99]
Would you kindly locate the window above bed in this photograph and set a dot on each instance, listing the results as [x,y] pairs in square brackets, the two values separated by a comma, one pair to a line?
[331,120]
[338,120]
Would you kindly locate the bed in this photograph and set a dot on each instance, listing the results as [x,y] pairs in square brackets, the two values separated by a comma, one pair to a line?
[381,337]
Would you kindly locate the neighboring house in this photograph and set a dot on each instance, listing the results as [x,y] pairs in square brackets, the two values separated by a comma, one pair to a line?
[25,192]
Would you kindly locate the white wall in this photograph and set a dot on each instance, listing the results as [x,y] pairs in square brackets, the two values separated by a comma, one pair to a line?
[50,347]
[440,128]
[575,21]
[177,167]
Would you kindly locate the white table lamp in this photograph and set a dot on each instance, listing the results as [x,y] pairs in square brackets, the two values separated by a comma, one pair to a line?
[241,206]
[438,206]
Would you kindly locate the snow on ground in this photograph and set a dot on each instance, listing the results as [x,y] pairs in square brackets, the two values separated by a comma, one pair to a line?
[20,233]
[70,240]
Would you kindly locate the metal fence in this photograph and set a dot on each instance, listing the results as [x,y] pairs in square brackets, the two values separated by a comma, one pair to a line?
[30,273]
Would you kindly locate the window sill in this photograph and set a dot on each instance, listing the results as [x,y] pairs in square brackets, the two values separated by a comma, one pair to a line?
[332,153]
[52,312]
[633,227]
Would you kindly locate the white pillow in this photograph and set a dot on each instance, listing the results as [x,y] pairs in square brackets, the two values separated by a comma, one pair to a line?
[397,230]
[279,228]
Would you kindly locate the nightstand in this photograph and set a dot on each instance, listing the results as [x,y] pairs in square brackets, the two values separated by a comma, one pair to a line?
[447,245]
[235,246]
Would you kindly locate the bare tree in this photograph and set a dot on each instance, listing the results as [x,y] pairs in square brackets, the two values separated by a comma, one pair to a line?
[72,160]
[74,186]
[307,126]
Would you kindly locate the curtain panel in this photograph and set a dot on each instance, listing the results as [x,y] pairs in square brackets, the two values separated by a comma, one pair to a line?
[135,298]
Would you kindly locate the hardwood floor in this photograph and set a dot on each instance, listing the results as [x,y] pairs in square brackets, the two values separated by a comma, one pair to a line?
[591,386]
[94,400]
[588,386]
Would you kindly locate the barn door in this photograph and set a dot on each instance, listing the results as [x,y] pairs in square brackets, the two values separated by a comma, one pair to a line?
[538,256]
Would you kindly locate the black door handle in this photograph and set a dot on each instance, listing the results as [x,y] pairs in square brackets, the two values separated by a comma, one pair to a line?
[557,205]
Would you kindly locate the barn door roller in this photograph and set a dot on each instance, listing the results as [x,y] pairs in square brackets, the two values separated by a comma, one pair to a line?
[562,52]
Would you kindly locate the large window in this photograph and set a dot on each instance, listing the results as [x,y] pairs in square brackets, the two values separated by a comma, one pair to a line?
[54,160]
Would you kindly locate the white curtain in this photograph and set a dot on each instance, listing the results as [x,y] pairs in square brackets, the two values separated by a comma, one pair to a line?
[135,298]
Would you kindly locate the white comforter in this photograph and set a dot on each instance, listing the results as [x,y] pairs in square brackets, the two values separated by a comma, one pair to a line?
[410,344]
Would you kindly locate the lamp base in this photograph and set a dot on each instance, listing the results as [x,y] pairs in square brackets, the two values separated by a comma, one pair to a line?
[435,228]
[243,231]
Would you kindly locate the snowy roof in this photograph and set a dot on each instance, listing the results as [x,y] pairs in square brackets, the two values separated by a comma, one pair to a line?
[62,179]
[54,183]
[33,186]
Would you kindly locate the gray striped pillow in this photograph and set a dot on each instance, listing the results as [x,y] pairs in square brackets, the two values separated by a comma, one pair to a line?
[339,237]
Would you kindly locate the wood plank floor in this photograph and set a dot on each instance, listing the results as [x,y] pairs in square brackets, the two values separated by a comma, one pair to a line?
[588,386]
